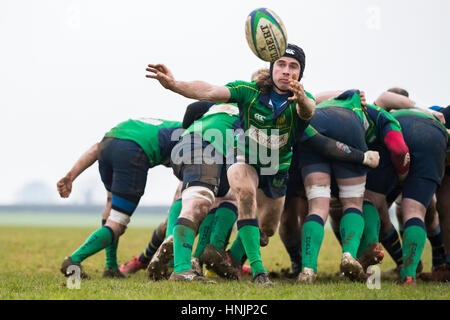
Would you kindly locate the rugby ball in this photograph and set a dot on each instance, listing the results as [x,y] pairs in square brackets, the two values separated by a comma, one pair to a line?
[266,34]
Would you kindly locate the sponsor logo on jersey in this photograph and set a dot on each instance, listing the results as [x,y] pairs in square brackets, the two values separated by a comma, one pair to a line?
[259,117]
[272,142]
[281,121]
[223,108]
[343,147]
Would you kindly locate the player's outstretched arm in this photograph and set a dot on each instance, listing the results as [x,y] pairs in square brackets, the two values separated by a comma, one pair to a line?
[338,151]
[198,90]
[64,185]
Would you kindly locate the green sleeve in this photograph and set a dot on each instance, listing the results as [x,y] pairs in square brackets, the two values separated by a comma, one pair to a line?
[240,91]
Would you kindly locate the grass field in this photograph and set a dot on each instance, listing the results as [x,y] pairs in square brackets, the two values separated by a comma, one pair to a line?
[30,258]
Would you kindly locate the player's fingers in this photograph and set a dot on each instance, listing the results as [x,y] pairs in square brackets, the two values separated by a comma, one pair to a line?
[152,70]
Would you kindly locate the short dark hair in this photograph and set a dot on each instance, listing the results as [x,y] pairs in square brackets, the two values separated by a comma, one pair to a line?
[400,91]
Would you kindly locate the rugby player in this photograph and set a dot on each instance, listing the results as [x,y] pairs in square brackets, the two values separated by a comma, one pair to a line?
[282,105]
[125,155]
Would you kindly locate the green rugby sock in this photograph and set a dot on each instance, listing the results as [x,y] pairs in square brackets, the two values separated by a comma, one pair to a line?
[371,227]
[183,239]
[352,227]
[312,237]
[174,212]
[414,237]
[248,231]
[204,233]
[226,216]
[97,241]
[111,253]
[237,250]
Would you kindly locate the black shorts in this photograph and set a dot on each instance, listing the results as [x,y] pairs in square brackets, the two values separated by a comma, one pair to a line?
[197,163]
[273,186]
[342,125]
[123,167]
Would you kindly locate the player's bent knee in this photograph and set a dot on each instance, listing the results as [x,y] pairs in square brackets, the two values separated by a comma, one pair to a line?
[316,191]
[119,217]
[354,191]
[198,192]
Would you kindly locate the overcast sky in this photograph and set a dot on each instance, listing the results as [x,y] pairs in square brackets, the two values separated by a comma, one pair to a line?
[70,70]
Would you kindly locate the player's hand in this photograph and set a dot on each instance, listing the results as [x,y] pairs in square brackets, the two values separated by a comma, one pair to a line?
[371,158]
[297,89]
[362,95]
[439,115]
[161,73]
[402,177]
[64,187]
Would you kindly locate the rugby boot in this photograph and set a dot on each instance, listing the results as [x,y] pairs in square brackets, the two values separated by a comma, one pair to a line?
[373,255]
[67,262]
[196,266]
[247,270]
[352,268]
[158,268]
[132,266]
[238,267]
[262,279]
[218,262]
[307,276]
[113,273]
[189,275]
[209,274]
[409,281]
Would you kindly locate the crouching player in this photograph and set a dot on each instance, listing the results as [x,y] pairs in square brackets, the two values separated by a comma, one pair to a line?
[198,160]
[125,155]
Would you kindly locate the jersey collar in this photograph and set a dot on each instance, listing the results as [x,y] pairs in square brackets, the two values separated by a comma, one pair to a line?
[265,100]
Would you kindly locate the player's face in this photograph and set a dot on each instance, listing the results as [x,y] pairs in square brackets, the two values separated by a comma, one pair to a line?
[283,69]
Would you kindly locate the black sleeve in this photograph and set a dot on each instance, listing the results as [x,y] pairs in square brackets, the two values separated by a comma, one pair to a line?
[195,111]
[333,149]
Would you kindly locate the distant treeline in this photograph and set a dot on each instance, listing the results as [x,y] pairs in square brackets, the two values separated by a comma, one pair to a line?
[95,209]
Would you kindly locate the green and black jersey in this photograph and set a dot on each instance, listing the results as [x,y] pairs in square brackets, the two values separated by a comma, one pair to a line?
[154,136]
[216,126]
[266,128]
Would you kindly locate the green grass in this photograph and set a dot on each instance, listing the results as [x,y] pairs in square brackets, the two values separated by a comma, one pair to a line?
[30,258]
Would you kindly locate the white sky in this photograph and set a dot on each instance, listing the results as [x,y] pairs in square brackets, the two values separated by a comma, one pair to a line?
[71,69]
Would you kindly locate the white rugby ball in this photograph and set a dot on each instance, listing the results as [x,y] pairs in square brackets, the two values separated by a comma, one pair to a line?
[266,34]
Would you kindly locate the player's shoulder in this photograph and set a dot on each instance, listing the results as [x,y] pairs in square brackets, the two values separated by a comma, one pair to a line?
[243,85]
